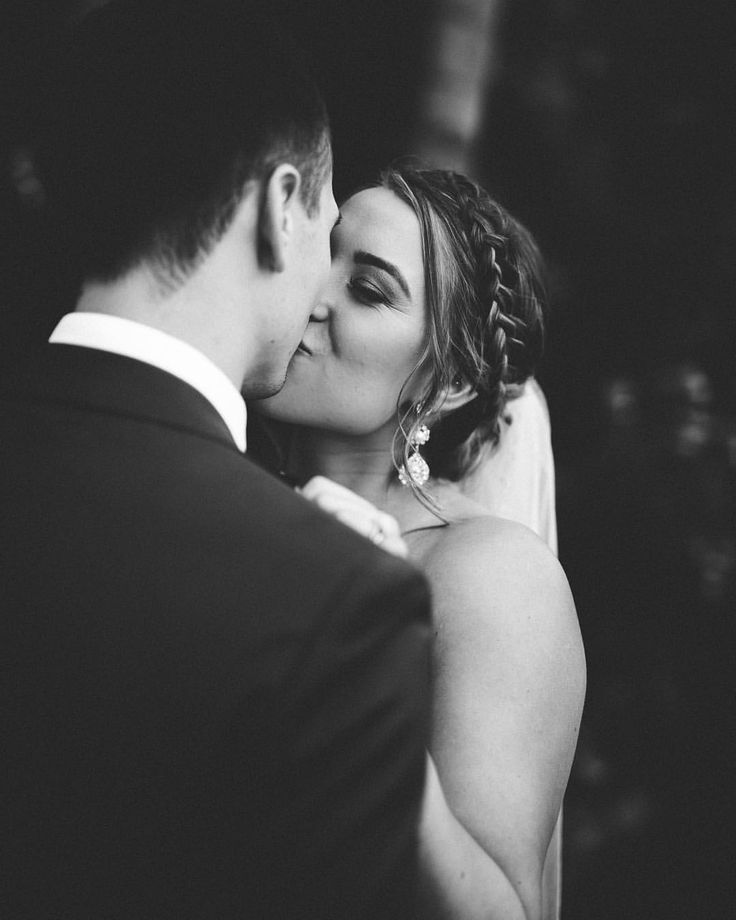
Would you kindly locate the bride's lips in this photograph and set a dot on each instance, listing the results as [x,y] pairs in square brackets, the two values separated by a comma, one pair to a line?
[303,350]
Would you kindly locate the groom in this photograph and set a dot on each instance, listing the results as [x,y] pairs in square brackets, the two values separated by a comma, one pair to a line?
[214,698]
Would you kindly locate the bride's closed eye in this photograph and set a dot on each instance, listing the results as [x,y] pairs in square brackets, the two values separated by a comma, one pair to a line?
[367,292]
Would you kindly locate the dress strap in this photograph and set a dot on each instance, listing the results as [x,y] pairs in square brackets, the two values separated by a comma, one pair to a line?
[424,527]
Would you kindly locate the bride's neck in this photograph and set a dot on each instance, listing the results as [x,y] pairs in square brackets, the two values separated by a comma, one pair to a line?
[362,464]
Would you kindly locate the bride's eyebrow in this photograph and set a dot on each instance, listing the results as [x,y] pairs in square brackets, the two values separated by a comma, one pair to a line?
[367,258]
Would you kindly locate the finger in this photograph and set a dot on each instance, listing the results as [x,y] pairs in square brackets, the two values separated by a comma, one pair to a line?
[396,546]
[371,529]
[333,500]
[319,489]
[376,525]
[319,485]
[388,524]
[361,523]
[333,504]
[356,513]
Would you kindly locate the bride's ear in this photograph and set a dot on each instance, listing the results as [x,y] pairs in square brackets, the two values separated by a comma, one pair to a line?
[276,216]
[459,395]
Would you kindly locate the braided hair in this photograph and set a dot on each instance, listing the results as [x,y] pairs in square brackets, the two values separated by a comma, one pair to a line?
[484,290]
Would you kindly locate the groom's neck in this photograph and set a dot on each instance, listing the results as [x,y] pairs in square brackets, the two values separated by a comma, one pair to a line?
[181,312]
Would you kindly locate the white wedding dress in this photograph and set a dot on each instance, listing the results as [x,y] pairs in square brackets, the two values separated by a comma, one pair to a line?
[517,481]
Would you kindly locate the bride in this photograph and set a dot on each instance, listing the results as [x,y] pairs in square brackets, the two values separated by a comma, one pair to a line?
[430,322]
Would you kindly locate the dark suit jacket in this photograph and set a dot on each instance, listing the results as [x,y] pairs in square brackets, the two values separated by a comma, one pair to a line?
[214,697]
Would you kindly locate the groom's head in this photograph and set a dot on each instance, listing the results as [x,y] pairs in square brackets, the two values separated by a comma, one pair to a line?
[184,126]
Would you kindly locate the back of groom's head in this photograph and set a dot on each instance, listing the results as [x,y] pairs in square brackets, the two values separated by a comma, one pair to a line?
[163,111]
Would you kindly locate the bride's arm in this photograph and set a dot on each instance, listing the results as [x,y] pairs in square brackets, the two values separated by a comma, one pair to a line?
[508,693]
[457,877]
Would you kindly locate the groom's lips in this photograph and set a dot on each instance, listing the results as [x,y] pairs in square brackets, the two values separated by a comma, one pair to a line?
[302,349]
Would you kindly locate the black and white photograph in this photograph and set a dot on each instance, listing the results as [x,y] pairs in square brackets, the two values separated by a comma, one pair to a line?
[367,459]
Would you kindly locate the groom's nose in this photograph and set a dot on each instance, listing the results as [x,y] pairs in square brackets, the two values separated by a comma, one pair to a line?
[320,312]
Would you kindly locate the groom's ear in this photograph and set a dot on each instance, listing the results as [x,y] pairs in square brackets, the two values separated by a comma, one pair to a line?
[279,194]
[460,393]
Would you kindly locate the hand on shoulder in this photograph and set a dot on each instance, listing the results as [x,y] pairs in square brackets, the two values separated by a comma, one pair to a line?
[357,513]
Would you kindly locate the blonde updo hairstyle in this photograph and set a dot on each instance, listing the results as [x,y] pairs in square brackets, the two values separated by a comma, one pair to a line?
[485,295]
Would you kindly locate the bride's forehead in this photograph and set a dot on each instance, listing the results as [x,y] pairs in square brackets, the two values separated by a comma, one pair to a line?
[381,216]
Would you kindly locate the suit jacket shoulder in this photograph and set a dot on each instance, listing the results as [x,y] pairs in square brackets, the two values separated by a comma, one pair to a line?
[215,700]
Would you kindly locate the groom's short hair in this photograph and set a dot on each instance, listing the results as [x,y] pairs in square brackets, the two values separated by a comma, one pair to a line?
[164,110]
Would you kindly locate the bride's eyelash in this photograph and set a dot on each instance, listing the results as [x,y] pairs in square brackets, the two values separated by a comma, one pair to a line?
[367,292]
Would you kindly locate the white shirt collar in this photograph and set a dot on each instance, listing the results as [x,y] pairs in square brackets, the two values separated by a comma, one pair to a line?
[135,340]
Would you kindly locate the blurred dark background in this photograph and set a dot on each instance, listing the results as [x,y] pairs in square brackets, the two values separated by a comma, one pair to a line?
[608,128]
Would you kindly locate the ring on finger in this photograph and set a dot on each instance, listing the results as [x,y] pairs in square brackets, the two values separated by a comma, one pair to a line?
[377,534]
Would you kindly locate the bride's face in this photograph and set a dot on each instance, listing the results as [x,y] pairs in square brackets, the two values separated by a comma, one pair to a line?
[367,333]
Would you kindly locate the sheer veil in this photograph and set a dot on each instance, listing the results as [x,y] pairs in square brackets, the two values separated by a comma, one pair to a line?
[517,479]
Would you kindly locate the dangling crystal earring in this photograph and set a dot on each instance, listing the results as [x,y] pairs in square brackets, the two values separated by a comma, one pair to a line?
[416,470]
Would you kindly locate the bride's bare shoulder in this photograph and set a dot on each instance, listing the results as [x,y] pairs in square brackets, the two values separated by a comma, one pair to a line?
[483,544]
[492,571]
[472,534]
[500,595]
